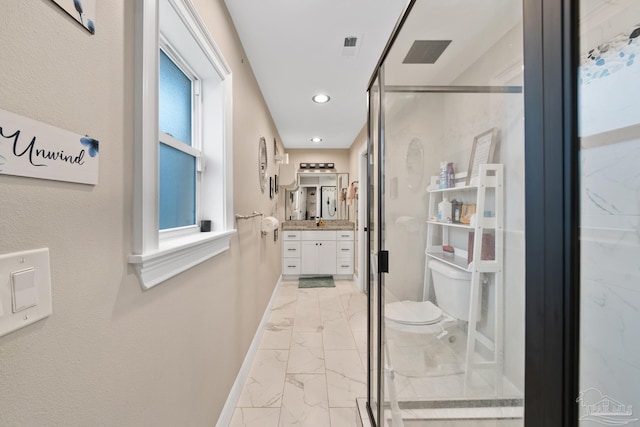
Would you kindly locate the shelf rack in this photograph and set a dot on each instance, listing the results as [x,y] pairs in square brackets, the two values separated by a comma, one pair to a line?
[489,180]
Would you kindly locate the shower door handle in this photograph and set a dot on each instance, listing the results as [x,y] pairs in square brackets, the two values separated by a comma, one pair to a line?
[383,262]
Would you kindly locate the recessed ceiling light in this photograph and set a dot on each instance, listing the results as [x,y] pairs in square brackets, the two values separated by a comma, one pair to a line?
[320,98]
[316,139]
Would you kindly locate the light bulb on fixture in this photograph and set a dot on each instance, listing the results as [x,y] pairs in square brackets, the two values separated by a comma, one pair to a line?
[316,139]
[320,98]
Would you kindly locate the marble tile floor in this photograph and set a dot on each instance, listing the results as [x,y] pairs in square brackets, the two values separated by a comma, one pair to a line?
[311,364]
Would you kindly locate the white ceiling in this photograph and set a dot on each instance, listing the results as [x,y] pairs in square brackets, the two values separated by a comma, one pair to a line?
[295,48]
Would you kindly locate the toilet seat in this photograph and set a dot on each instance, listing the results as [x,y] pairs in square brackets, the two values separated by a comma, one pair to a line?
[413,312]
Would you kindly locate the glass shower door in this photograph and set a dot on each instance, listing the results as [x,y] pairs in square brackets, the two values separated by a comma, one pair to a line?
[447,217]
[609,129]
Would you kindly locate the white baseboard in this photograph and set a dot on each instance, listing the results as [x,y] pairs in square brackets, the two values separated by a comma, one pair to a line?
[357,280]
[234,395]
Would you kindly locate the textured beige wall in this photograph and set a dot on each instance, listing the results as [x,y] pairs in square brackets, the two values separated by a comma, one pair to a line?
[112,354]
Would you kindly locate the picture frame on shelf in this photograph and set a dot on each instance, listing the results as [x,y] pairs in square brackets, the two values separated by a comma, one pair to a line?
[484,147]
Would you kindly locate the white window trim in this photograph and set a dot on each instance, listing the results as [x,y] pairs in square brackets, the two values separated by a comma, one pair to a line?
[155,259]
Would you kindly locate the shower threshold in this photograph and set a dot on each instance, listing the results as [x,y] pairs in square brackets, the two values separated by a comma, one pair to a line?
[435,412]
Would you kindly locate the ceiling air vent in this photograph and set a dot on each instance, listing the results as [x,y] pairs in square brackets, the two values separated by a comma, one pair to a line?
[350,41]
[351,46]
[425,51]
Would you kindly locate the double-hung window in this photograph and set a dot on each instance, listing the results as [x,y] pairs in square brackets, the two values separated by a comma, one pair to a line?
[183,147]
[180,153]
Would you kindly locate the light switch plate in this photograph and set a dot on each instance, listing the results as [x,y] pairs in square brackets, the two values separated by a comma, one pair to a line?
[25,289]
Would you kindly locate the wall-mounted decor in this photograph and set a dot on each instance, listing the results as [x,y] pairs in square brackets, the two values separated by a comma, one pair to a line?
[38,150]
[262,163]
[83,11]
[271,187]
[276,153]
[484,145]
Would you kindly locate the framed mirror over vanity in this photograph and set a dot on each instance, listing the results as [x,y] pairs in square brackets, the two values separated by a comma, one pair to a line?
[318,195]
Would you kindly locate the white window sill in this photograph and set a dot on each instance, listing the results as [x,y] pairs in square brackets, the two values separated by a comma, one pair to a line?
[177,255]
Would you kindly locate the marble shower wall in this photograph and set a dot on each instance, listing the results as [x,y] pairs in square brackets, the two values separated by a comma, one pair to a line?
[609,116]
[610,271]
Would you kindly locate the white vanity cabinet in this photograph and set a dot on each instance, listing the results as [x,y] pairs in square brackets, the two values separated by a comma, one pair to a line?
[291,253]
[317,252]
[344,252]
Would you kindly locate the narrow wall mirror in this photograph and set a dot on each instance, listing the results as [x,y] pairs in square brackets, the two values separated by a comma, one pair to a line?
[262,163]
[321,195]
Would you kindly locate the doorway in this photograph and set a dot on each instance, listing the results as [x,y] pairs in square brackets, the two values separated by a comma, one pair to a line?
[361,220]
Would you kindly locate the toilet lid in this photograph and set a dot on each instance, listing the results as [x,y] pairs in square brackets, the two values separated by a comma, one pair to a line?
[413,312]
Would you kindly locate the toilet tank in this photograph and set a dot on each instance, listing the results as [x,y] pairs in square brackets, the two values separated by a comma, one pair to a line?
[452,287]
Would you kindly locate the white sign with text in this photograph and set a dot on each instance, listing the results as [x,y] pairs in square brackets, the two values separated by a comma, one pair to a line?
[38,150]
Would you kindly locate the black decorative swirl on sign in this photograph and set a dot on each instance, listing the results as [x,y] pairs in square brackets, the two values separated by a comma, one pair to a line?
[34,154]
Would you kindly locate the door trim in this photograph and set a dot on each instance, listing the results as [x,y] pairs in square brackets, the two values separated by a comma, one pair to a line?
[362,217]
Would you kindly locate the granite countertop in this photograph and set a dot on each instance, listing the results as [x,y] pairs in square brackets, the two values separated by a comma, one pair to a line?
[311,225]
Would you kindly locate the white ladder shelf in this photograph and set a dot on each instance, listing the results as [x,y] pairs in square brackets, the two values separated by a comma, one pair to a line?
[489,193]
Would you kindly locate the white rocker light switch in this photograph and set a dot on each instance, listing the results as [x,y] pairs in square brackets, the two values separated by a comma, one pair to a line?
[25,292]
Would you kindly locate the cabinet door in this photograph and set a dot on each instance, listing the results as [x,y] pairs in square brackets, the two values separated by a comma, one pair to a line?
[327,257]
[309,257]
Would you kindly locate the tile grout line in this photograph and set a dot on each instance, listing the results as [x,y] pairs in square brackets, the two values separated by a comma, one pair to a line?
[286,369]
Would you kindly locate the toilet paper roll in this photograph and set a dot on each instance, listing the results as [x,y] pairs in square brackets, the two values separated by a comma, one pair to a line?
[269,224]
[409,223]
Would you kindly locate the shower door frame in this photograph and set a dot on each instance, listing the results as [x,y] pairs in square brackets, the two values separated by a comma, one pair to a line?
[552,280]
[551,213]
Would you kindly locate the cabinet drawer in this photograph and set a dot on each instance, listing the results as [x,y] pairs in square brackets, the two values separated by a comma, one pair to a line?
[344,266]
[291,235]
[345,235]
[290,249]
[345,249]
[319,235]
[291,266]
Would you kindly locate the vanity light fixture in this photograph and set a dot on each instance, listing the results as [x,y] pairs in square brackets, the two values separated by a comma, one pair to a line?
[317,166]
[316,139]
[320,98]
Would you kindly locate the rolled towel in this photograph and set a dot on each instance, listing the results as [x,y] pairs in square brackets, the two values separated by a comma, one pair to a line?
[269,224]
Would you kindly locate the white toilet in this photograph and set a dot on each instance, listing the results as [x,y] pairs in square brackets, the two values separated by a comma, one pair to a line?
[415,329]
[452,288]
